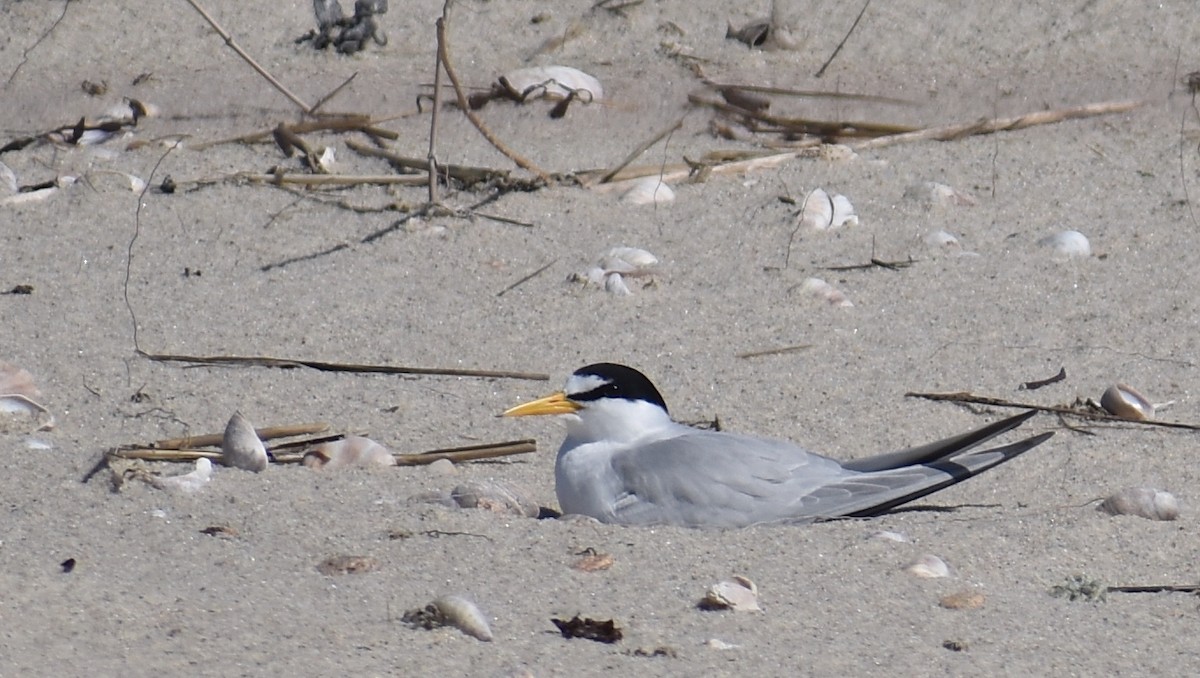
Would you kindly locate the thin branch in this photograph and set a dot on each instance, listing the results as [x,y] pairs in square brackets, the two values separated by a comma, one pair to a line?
[527,278]
[964,397]
[287,363]
[840,45]
[444,52]
[658,136]
[247,58]
[990,126]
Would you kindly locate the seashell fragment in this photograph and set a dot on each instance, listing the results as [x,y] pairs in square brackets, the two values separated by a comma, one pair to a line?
[615,284]
[451,610]
[1068,245]
[241,447]
[740,595]
[963,600]
[349,452]
[186,483]
[347,564]
[929,566]
[497,497]
[614,266]
[823,291]
[20,399]
[593,562]
[1125,402]
[651,190]
[1144,502]
[554,83]
[889,535]
[8,179]
[934,194]
[718,644]
[628,260]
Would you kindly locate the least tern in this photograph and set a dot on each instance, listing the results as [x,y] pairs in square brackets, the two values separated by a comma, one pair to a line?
[625,461]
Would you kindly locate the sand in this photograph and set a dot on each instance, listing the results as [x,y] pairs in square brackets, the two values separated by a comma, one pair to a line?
[150,594]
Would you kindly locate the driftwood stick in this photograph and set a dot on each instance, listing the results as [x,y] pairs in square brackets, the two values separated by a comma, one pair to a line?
[248,59]
[992,125]
[329,179]
[963,397]
[286,363]
[267,433]
[468,453]
[463,173]
[454,454]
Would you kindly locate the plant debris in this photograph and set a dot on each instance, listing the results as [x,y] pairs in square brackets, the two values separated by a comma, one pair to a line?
[590,629]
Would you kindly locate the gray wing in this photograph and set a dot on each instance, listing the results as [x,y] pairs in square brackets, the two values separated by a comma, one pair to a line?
[942,449]
[704,479]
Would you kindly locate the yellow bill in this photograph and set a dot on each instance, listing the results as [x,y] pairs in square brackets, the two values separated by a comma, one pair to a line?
[555,403]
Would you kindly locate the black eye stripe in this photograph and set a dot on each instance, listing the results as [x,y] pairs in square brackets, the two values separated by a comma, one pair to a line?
[618,381]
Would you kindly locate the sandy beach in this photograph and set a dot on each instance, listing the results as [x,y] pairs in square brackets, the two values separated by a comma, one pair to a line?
[227,266]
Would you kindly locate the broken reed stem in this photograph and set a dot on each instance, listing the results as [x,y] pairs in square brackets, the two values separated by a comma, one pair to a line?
[247,58]
[268,433]
[332,123]
[992,125]
[454,454]
[840,45]
[444,52]
[266,361]
[467,175]
[329,179]
[329,97]
[963,397]
[607,176]
[432,166]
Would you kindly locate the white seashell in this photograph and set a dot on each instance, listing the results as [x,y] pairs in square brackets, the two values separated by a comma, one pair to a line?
[823,211]
[37,444]
[241,447]
[823,291]
[817,212]
[551,82]
[1125,402]
[615,284]
[349,452]
[29,196]
[186,483]
[1068,245]
[843,211]
[739,595]
[942,240]
[326,160]
[934,194]
[627,260]
[19,397]
[929,566]
[93,137]
[1144,502]
[718,644]
[462,614]
[651,190]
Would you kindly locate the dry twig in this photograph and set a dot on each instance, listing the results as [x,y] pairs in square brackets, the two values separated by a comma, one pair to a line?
[287,363]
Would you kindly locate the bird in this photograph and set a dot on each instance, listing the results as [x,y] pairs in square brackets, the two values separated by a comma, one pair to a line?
[625,461]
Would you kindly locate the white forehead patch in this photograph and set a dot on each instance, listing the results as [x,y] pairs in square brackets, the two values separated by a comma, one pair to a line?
[582,383]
